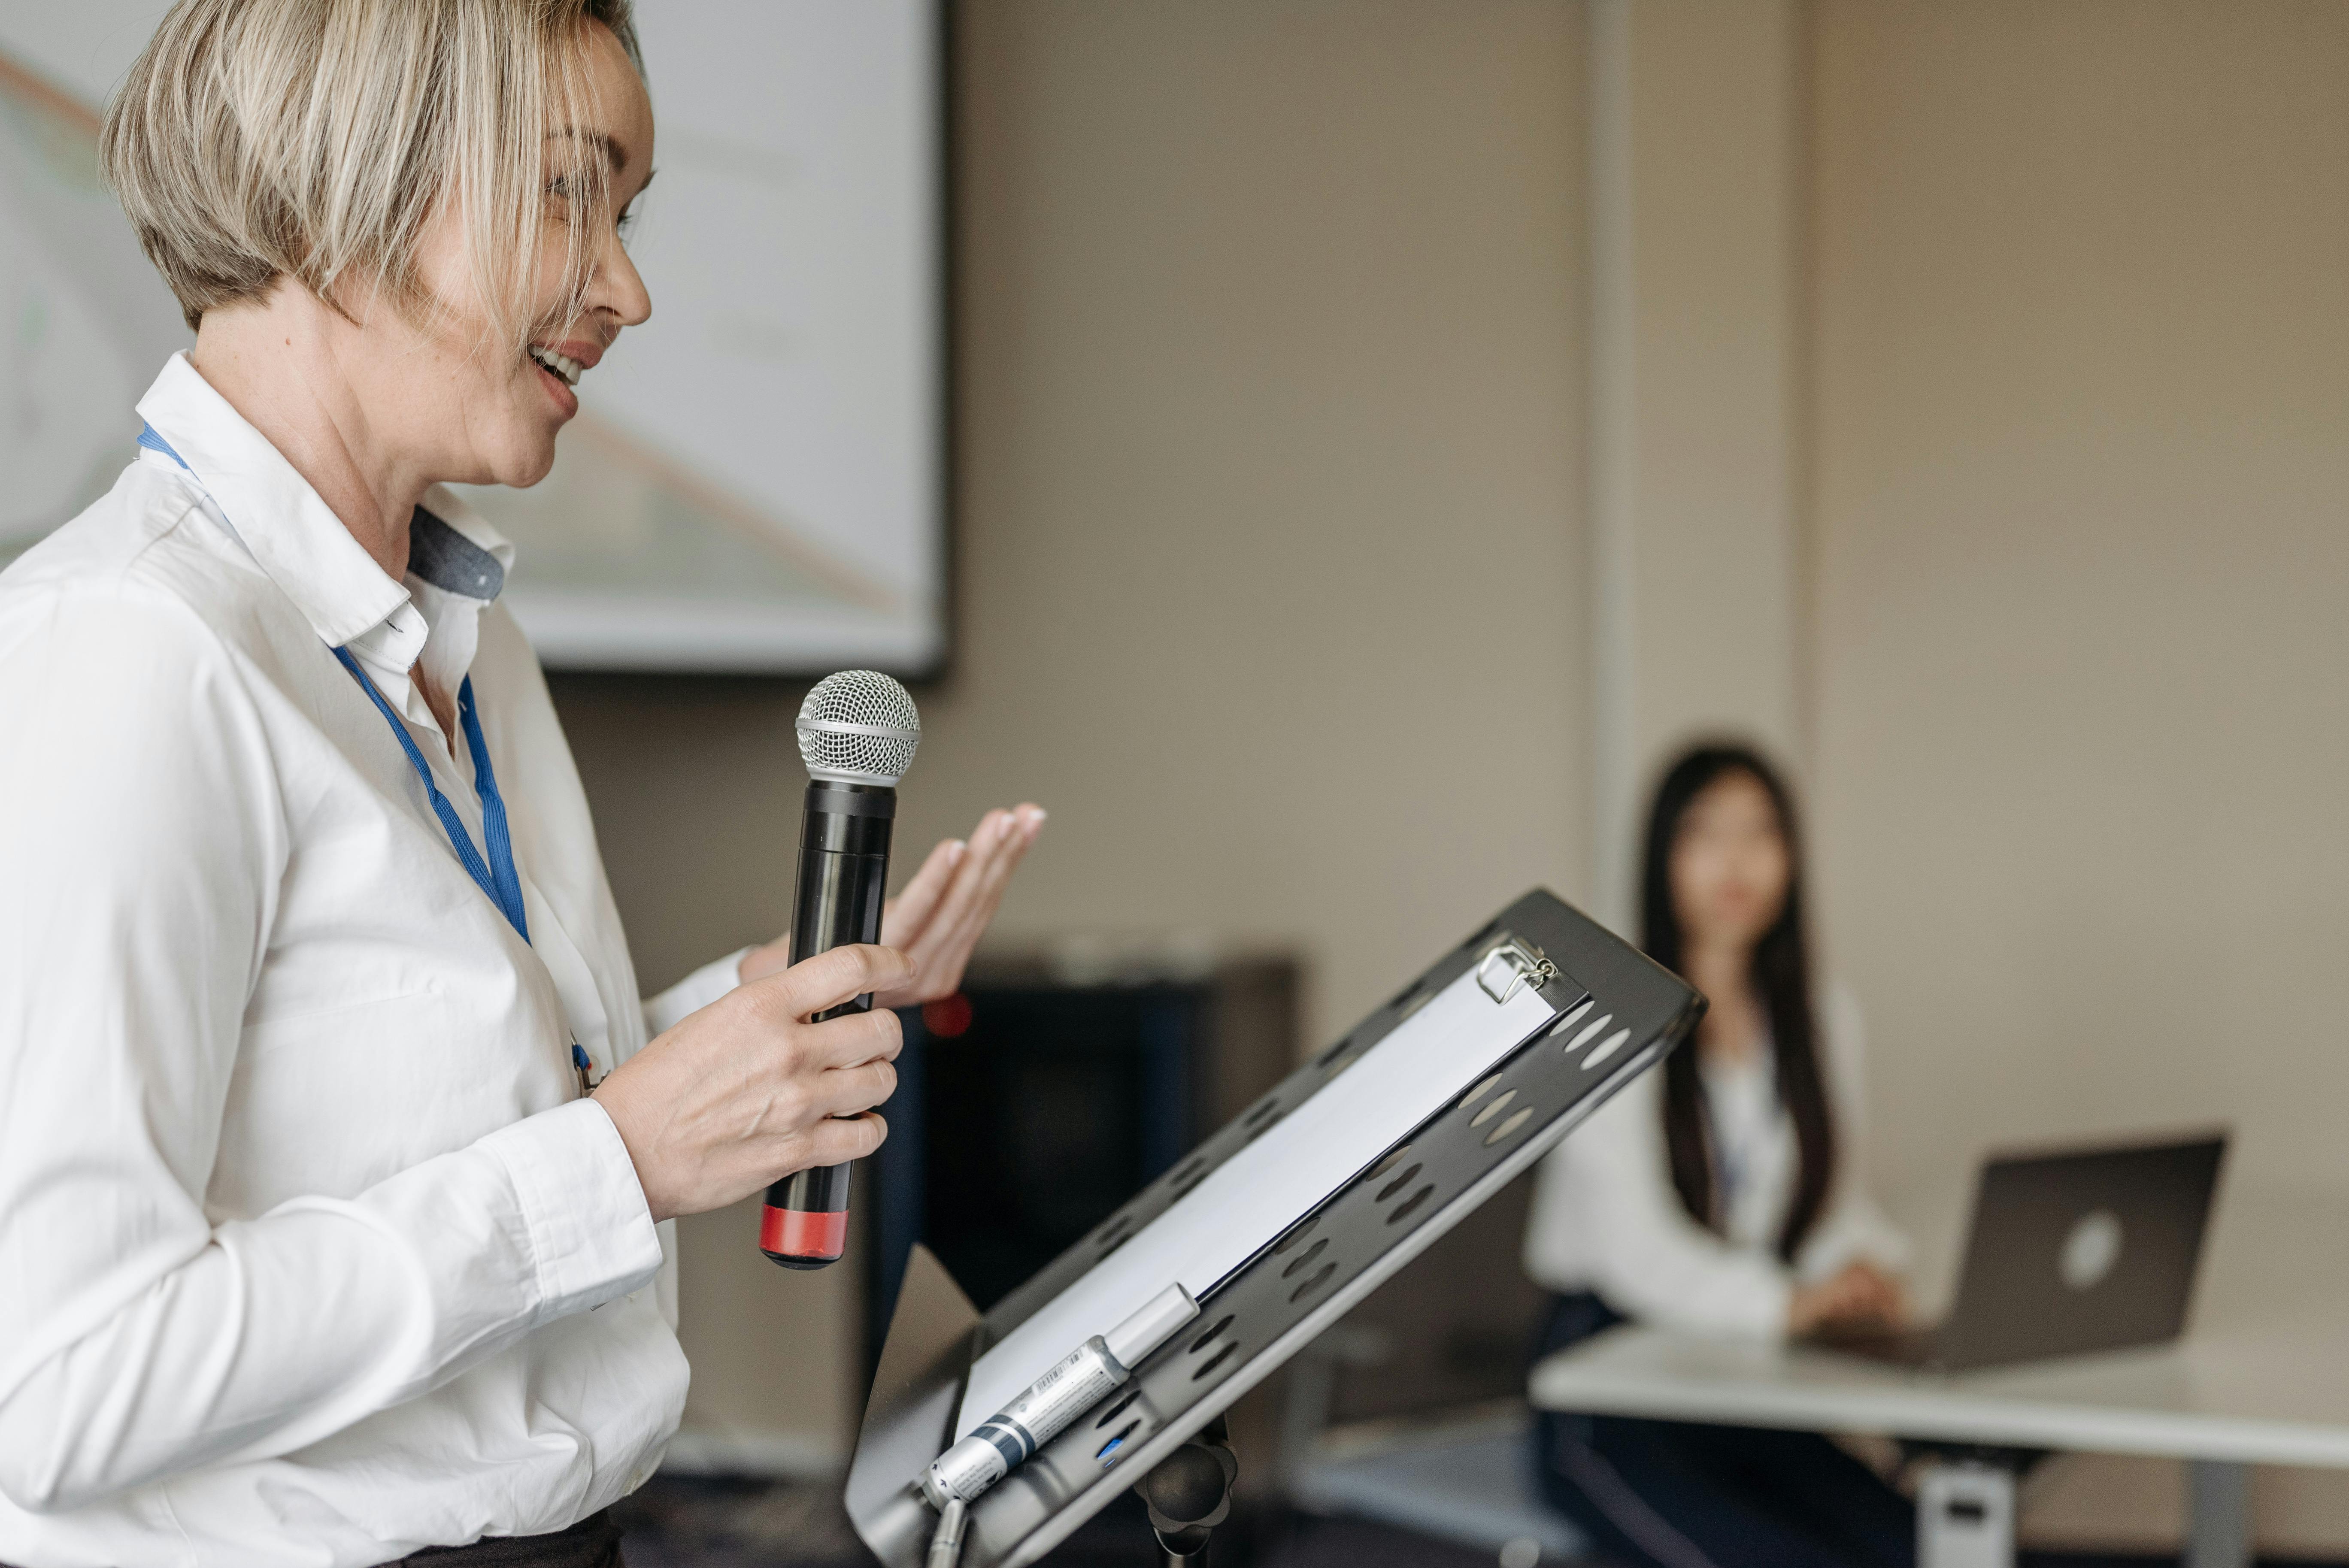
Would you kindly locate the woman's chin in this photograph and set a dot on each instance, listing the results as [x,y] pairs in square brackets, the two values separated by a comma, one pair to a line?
[525,462]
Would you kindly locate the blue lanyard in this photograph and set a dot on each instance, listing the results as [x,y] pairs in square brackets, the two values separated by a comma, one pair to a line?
[496,874]
[497,877]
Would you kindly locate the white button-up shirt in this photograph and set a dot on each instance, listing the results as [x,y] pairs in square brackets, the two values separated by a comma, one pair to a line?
[1605,1217]
[310,1250]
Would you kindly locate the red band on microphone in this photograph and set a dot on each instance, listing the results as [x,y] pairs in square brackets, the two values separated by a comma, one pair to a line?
[800,1234]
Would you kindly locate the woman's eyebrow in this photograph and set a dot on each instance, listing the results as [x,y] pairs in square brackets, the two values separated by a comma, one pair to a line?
[616,152]
[605,141]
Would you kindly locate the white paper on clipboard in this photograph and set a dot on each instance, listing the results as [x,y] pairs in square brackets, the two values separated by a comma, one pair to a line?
[1423,1064]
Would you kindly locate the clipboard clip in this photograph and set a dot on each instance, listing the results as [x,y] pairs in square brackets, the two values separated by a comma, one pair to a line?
[1513,964]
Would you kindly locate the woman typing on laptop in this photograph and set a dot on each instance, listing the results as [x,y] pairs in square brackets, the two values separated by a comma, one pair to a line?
[1721,1195]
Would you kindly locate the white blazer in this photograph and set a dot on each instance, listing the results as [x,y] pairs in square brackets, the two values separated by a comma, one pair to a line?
[1605,1218]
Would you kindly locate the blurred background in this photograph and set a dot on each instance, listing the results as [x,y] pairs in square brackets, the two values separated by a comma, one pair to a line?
[1425,414]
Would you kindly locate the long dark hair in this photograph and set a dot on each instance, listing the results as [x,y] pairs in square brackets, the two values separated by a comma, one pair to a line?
[1782,979]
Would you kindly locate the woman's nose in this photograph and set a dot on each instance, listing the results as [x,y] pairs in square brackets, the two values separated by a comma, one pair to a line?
[619,288]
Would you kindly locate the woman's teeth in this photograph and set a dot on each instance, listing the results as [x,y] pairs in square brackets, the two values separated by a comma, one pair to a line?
[562,367]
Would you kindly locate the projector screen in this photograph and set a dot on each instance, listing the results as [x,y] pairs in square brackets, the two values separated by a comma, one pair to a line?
[756,480]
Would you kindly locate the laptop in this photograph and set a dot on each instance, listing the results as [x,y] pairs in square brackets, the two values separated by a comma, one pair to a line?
[2093,1249]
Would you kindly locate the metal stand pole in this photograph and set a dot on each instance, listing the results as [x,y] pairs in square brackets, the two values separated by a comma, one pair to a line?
[2219,1515]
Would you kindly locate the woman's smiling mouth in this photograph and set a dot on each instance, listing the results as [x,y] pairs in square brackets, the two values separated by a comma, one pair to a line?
[560,366]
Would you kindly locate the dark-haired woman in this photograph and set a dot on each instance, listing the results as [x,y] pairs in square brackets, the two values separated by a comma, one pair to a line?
[1721,1196]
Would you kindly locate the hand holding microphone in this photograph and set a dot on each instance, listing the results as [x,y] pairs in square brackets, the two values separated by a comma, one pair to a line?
[766,1080]
[857,733]
[752,1085]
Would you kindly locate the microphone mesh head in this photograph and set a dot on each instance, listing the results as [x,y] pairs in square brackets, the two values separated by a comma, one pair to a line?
[858,727]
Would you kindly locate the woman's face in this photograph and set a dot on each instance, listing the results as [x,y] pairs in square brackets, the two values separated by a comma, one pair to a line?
[465,408]
[1729,865]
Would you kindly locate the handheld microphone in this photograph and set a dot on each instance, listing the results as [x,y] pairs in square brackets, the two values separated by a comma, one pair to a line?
[857,733]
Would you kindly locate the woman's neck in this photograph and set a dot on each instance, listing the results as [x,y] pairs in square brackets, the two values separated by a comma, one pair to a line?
[1731,1031]
[277,363]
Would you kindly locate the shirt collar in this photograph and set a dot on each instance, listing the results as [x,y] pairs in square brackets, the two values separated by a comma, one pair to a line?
[299,542]
[456,565]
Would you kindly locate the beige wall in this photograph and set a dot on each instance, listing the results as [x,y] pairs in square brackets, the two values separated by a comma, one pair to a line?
[1696,172]
[1270,551]
[2082,421]
[1271,571]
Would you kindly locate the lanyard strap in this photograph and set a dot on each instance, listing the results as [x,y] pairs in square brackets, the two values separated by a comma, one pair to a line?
[495,874]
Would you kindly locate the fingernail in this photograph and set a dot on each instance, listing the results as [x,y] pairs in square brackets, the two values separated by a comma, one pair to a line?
[1035,816]
[956,850]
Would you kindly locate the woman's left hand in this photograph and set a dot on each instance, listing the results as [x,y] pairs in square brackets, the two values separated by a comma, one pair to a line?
[940,915]
[1872,1296]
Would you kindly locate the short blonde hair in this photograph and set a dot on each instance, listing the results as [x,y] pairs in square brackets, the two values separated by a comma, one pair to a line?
[315,140]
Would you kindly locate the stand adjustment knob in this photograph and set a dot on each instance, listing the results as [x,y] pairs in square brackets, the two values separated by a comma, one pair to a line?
[1188,1493]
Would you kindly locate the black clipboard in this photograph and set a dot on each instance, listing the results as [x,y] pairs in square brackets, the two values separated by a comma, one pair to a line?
[1611,1013]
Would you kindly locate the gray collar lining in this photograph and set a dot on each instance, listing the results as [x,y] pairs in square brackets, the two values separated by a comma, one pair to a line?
[449,560]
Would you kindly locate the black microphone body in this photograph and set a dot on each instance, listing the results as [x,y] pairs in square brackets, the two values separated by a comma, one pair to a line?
[843,876]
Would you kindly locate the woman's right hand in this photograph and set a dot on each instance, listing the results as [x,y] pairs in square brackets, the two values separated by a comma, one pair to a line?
[1860,1297]
[746,1091]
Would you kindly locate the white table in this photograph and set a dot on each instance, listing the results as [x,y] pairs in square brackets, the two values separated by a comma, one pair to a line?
[2261,1378]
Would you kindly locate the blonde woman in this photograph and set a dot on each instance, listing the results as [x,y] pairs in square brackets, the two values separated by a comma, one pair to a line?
[334,1161]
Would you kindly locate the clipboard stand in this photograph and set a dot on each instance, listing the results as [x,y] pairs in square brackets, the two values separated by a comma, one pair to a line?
[1612,1014]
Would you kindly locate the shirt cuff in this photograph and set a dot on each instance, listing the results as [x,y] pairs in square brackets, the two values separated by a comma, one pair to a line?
[1746,1300]
[590,1235]
[1769,1324]
[694,993]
